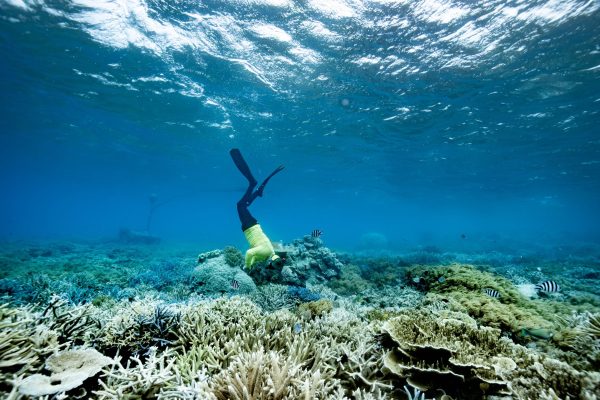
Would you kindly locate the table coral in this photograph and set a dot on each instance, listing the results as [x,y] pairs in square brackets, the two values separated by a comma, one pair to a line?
[69,369]
[469,361]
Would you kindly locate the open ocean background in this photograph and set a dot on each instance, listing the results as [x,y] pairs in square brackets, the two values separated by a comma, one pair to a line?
[400,123]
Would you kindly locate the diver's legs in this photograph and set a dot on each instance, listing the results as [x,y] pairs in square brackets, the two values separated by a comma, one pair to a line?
[241,164]
[246,219]
[250,195]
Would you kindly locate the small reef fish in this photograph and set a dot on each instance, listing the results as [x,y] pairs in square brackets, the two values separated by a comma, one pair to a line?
[441,279]
[548,286]
[235,285]
[297,327]
[491,292]
[537,333]
[463,236]
[316,233]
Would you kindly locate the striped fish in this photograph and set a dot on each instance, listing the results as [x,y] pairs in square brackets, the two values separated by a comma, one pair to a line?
[491,292]
[235,285]
[316,233]
[548,286]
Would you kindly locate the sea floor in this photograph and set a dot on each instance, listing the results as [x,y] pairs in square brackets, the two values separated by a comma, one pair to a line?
[114,320]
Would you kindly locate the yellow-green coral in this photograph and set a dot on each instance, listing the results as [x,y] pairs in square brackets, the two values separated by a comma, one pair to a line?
[462,287]
[350,281]
[314,309]
[381,314]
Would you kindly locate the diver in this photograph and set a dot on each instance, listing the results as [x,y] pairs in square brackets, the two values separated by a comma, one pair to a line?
[261,248]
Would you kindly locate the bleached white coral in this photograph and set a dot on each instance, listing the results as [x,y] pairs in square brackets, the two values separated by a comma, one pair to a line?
[69,370]
[527,290]
[139,378]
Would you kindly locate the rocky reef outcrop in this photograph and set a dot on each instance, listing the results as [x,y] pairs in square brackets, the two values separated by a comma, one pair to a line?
[307,261]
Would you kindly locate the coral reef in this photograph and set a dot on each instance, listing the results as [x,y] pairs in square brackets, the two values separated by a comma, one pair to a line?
[308,262]
[439,351]
[462,287]
[303,294]
[138,327]
[139,379]
[166,330]
[322,344]
[269,375]
[233,257]
[593,327]
[271,297]
[315,309]
[350,281]
[214,276]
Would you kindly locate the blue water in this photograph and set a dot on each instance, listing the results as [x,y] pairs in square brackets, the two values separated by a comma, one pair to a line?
[411,122]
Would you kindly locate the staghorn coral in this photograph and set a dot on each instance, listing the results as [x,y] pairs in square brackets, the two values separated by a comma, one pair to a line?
[375,394]
[30,337]
[264,375]
[271,297]
[25,342]
[593,326]
[70,322]
[135,327]
[138,380]
[338,344]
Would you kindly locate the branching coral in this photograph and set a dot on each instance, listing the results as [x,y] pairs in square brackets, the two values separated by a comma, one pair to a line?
[137,327]
[593,327]
[271,297]
[140,379]
[264,375]
[71,322]
[337,345]
[25,342]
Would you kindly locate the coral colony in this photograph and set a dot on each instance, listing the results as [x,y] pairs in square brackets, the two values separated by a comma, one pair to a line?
[123,321]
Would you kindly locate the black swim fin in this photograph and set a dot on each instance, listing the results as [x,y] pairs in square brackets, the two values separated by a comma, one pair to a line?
[261,188]
[241,164]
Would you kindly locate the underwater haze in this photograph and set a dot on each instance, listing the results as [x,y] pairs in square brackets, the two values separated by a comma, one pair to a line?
[399,122]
